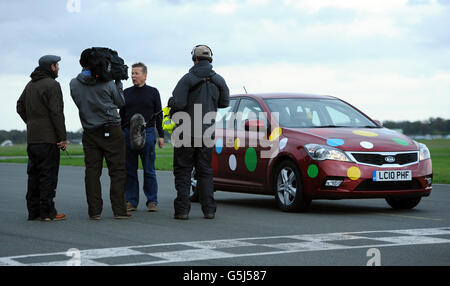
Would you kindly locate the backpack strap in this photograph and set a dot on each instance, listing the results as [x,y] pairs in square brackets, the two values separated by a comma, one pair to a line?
[200,83]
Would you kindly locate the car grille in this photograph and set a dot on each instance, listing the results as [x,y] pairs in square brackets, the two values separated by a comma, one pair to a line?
[369,185]
[379,159]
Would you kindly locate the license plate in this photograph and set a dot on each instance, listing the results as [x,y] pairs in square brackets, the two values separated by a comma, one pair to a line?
[392,175]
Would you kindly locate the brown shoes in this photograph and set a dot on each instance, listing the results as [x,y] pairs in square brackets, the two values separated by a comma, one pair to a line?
[130,207]
[57,217]
[151,207]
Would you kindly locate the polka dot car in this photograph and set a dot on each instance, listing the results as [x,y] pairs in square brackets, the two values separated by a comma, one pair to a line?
[302,147]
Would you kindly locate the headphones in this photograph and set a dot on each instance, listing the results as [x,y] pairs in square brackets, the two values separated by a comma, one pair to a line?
[193,52]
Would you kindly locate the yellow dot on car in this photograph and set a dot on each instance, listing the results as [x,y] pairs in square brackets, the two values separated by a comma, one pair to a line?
[237,143]
[365,133]
[275,134]
[354,173]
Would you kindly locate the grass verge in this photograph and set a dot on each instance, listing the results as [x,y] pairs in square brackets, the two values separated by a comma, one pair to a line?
[439,149]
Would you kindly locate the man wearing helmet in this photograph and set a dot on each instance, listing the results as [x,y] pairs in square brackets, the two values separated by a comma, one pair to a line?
[200,89]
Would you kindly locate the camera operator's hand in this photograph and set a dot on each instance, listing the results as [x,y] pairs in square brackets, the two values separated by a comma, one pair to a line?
[62,145]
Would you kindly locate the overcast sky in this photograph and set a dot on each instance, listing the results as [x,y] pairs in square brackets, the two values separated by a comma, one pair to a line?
[389,58]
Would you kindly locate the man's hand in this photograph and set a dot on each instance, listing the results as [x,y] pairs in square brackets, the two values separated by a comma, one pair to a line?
[160,142]
[62,145]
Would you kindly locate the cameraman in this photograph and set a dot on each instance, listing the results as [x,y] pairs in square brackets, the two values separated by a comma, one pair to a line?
[98,102]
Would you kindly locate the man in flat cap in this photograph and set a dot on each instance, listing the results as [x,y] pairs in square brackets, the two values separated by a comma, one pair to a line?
[41,108]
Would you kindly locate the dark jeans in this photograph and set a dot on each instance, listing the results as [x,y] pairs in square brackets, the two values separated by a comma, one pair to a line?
[96,147]
[42,170]
[185,158]
[147,155]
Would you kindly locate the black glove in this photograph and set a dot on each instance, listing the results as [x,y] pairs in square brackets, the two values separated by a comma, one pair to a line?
[171,102]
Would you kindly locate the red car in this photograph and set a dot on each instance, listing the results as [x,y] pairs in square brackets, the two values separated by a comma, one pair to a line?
[314,147]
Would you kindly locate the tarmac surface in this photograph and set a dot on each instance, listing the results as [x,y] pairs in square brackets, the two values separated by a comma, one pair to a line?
[249,230]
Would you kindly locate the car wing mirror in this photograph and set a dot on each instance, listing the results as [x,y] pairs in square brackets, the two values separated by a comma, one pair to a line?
[254,125]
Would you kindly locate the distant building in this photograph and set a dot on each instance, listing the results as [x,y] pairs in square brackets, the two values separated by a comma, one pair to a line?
[7,143]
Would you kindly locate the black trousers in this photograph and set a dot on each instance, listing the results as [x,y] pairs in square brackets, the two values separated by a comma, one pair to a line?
[112,148]
[185,158]
[42,170]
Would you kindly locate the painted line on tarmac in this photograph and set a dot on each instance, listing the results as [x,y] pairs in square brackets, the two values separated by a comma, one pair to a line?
[408,216]
[157,254]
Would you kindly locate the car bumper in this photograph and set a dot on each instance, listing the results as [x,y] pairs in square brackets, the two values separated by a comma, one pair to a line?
[362,185]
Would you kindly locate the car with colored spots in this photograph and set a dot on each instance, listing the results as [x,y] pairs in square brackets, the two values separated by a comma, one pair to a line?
[302,147]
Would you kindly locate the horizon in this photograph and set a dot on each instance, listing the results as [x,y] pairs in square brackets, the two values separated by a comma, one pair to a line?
[391,61]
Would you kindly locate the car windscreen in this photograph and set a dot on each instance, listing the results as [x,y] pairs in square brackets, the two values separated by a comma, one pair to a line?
[316,113]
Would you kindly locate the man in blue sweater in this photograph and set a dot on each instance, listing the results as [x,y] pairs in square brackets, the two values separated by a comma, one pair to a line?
[145,100]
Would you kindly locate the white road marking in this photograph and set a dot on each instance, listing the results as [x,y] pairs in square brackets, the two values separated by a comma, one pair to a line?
[408,216]
[237,247]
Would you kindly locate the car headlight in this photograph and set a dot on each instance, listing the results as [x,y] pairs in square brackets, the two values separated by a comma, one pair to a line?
[323,152]
[424,153]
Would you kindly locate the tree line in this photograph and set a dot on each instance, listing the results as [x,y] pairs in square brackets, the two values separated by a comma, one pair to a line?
[19,137]
[431,126]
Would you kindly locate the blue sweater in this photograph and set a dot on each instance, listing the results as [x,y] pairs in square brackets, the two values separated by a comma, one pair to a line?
[146,101]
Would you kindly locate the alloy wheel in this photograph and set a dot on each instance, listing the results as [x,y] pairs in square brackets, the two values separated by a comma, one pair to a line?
[286,186]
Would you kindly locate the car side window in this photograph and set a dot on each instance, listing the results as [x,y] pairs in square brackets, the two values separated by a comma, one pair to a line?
[248,109]
[224,117]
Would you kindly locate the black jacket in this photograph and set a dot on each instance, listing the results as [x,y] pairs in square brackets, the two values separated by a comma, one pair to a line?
[146,101]
[202,85]
[41,108]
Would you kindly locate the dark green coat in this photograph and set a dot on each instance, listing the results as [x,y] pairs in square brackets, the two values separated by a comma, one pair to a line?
[41,108]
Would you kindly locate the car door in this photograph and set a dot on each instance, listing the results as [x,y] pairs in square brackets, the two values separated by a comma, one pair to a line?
[249,169]
[224,134]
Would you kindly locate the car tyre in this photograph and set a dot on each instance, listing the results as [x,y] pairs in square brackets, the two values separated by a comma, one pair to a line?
[194,193]
[288,188]
[403,203]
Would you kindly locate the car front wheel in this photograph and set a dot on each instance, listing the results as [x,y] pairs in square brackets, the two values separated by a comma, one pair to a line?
[289,188]
[407,203]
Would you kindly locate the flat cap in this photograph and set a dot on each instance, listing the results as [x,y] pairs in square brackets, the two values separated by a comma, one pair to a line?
[48,60]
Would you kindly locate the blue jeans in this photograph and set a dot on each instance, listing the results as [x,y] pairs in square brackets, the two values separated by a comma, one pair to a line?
[147,155]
